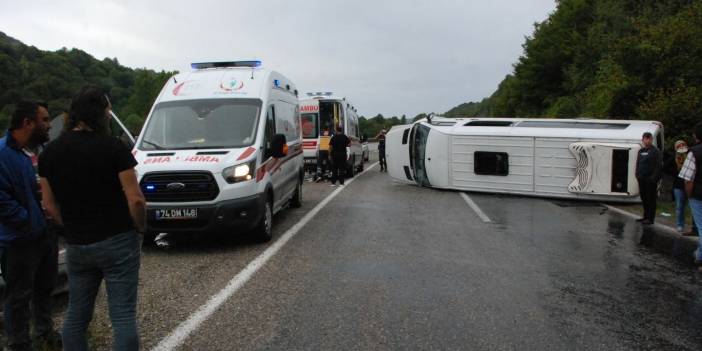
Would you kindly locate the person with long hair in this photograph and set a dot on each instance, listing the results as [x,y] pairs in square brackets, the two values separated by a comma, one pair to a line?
[90,187]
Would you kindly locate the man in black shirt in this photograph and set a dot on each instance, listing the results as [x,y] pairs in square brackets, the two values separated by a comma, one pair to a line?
[381,151]
[90,187]
[648,173]
[338,144]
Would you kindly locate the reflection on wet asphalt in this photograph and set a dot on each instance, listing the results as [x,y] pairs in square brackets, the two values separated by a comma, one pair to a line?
[604,283]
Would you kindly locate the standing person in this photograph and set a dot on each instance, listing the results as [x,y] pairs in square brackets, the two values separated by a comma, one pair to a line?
[28,250]
[90,187]
[673,167]
[338,144]
[693,185]
[323,155]
[381,150]
[648,173]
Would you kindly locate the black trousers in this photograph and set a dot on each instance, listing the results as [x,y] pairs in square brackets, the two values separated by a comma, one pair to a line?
[648,191]
[338,168]
[381,159]
[30,270]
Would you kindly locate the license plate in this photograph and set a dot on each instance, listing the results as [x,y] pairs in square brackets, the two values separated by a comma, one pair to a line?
[176,213]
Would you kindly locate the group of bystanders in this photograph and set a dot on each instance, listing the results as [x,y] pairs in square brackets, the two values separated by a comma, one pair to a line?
[83,186]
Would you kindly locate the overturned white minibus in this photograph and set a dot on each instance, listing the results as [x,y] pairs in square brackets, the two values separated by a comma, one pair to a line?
[582,159]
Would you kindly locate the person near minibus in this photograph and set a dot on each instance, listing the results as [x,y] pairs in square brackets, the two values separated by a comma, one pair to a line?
[338,144]
[672,167]
[693,185]
[381,150]
[648,173]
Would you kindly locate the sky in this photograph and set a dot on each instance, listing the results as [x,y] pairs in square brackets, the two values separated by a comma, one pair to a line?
[387,56]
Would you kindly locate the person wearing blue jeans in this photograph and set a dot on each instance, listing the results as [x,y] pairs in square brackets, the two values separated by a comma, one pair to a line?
[691,172]
[90,187]
[117,261]
[672,167]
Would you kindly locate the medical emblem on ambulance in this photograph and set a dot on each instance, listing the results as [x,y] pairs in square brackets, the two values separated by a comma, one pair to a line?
[232,85]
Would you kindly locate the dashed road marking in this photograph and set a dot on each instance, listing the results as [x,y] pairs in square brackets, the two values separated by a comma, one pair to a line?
[475,208]
[185,328]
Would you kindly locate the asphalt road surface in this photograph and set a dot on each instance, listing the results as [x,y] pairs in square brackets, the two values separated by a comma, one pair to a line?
[386,266]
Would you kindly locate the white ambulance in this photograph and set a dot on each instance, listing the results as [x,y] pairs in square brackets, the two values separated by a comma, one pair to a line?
[221,150]
[325,110]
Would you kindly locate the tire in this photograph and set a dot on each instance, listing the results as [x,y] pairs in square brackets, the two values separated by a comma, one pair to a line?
[264,229]
[351,171]
[296,200]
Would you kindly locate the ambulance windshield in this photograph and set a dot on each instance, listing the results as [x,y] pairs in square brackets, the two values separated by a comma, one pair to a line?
[202,124]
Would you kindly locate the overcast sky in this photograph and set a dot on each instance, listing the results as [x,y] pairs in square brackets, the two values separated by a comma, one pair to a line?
[391,57]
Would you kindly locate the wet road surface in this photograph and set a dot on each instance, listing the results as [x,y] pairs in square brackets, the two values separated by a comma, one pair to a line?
[386,266]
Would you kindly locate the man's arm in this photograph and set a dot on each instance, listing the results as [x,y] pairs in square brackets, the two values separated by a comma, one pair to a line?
[12,213]
[53,210]
[135,198]
[657,167]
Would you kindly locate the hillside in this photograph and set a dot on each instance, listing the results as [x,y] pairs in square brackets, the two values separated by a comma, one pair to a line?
[628,59]
[29,73]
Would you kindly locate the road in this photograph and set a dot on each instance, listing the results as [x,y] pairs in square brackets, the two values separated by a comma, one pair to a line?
[385,266]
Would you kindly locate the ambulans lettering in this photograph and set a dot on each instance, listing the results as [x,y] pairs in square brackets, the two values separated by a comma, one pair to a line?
[309,108]
[201,159]
[154,160]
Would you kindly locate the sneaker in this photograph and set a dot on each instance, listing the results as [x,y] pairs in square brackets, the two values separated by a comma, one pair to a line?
[680,230]
[333,185]
[646,222]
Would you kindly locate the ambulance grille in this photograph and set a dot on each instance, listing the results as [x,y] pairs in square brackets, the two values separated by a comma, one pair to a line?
[179,186]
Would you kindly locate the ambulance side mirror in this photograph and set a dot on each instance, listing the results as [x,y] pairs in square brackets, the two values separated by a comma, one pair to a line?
[279,146]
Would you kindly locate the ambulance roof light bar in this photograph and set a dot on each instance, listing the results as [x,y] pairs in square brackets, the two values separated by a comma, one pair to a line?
[225,64]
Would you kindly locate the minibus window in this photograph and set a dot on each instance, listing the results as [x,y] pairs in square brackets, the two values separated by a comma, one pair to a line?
[202,124]
[491,163]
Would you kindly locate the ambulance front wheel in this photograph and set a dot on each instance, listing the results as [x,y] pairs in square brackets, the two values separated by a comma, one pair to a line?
[264,229]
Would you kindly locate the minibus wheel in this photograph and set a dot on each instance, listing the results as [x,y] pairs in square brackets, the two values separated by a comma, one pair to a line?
[264,229]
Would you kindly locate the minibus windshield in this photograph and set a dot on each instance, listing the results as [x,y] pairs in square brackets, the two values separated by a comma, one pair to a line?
[202,124]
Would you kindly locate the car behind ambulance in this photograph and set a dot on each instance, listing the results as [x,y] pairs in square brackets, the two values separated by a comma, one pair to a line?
[221,150]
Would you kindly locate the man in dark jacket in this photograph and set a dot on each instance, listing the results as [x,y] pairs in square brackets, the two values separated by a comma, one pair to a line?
[381,151]
[29,254]
[693,185]
[648,173]
[338,144]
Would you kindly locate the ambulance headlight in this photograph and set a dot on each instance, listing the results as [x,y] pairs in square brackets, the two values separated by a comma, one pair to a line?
[239,173]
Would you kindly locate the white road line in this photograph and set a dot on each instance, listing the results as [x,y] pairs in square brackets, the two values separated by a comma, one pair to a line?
[475,208]
[178,335]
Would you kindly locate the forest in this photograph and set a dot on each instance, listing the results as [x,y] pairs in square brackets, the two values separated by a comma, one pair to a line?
[610,59]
